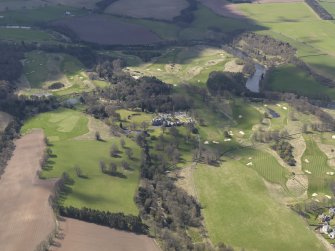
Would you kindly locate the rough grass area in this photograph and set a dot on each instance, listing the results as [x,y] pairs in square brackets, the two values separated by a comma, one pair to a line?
[156,9]
[315,161]
[94,189]
[44,69]
[239,211]
[298,24]
[289,78]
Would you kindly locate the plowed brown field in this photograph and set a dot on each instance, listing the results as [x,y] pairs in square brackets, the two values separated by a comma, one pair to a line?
[26,218]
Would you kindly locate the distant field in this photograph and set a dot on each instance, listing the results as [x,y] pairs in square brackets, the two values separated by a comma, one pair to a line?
[289,78]
[298,23]
[239,211]
[98,190]
[18,35]
[157,9]
[38,15]
[315,161]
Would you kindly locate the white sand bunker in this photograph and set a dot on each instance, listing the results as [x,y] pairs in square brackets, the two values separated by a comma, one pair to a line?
[241,132]
[250,164]
[333,136]
[215,142]
[306,160]
[309,172]
[206,142]
[279,105]
[230,133]
[330,173]
[227,140]
[284,107]
[250,158]
[327,196]
[314,194]
[265,105]
[158,69]
[240,116]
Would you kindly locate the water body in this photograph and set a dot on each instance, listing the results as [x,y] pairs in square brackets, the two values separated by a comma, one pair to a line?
[253,82]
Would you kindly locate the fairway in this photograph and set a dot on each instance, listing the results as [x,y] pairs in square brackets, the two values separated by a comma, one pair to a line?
[239,212]
[315,161]
[95,190]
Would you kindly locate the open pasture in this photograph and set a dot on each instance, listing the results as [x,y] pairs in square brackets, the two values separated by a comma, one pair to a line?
[297,22]
[108,31]
[27,35]
[289,78]
[239,211]
[95,189]
[156,9]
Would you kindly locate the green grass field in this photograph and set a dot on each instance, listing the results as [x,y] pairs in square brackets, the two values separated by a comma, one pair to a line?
[289,78]
[297,24]
[329,5]
[38,15]
[315,161]
[239,211]
[18,35]
[97,190]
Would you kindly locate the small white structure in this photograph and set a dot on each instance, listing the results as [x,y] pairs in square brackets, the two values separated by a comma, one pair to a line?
[325,228]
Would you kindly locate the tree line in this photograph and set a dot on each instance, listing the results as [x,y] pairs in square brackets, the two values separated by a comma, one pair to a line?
[319,10]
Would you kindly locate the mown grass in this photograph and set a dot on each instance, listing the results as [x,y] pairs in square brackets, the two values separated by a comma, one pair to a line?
[239,211]
[315,161]
[94,189]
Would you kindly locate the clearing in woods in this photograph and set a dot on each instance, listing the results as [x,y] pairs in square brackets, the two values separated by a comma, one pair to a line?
[25,214]
[156,9]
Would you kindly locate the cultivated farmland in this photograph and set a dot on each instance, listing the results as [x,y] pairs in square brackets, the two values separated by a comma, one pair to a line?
[108,31]
[87,237]
[26,216]
[156,9]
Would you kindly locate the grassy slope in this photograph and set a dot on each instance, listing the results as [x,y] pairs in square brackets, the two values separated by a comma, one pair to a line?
[296,22]
[289,78]
[239,212]
[99,190]
[25,35]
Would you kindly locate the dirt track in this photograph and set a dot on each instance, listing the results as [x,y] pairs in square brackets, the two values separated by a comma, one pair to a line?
[25,215]
[85,236]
